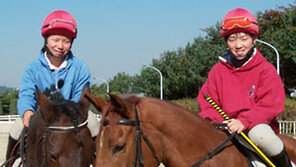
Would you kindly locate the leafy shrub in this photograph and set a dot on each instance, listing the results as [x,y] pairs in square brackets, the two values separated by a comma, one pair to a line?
[289,113]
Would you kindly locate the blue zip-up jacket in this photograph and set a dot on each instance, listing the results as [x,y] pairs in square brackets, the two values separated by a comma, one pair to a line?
[75,76]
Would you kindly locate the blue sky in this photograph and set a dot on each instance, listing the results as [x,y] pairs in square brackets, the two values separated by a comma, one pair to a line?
[113,35]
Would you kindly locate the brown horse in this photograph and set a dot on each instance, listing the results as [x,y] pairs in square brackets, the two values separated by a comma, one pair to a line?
[58,135]
[179,136]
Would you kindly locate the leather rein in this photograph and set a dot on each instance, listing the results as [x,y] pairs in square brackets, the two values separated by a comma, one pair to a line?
[138,157]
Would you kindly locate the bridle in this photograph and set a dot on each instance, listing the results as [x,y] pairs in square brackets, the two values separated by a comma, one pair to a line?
[60,129]
[138,157]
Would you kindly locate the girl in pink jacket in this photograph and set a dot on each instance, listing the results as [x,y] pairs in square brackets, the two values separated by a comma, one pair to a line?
[247,87]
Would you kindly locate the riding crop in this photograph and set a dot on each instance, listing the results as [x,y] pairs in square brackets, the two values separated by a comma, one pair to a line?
[241,133]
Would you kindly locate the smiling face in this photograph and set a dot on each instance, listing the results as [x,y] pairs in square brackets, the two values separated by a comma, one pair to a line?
[59,45]
[240,44]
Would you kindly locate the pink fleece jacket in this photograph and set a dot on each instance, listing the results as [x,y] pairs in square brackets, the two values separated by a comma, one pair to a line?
[253,93]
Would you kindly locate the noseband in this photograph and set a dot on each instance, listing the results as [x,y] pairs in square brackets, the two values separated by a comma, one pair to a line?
[60,129]
[138,157]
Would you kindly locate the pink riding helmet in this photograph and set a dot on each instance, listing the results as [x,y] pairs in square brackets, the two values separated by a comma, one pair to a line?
[239,20]
[59,22]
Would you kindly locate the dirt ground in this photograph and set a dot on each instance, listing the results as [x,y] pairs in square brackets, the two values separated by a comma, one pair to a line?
[4,131]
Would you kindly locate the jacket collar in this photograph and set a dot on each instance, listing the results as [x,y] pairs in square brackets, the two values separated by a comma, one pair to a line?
[45,61]
[254,60]
[52,67]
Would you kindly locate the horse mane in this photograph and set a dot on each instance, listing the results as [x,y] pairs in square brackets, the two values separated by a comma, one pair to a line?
[179,111]
[130,98]
[68,107]
[170,105]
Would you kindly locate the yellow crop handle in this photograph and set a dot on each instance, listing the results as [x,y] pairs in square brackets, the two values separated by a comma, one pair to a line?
[242,133]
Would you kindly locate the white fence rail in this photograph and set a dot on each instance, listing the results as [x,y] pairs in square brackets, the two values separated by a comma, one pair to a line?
[286,127]
[8,119]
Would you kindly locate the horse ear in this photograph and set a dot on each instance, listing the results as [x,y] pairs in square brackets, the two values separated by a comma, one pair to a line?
[98,102]
[45,105]
[83,100]
[121,106]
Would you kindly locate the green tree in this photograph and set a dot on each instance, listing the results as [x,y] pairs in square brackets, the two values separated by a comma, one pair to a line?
[120,84]
[278,27]
[8,101]
[12,106]
[1,109]
[185,70]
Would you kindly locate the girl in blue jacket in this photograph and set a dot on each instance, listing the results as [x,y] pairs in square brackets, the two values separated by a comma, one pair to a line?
[55,65]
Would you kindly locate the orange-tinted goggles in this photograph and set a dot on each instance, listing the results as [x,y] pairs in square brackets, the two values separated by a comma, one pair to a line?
[242,22]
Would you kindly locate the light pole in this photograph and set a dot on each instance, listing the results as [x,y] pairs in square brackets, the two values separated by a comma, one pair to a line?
[161,90]
[277,55]
[104,82]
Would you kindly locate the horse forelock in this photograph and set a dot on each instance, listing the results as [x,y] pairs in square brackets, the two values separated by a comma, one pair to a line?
[61,105]
[70,109]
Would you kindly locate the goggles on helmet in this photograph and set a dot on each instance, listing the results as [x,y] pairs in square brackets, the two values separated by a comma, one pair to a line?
[242,22]
[62,21]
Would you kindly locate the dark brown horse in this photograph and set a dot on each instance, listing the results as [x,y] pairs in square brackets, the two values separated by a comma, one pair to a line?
[179,137]
[58,135]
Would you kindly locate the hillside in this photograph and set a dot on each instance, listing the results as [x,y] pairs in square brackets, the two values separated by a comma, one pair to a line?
[4,88]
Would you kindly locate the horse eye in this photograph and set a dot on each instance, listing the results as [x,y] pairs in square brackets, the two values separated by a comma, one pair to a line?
[53,157]
[117,148]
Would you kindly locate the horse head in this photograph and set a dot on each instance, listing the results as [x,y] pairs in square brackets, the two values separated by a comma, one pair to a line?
[58,135]
[115,143]
[176,136]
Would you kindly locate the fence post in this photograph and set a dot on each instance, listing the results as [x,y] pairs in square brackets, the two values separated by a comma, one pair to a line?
[280,124]
[294,128]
